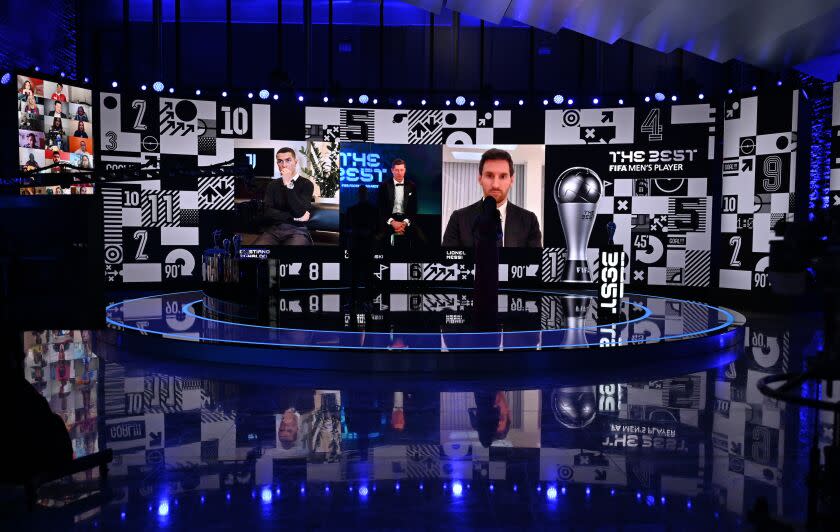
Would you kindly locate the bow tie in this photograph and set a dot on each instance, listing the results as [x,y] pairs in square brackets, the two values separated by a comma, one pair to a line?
[399,184]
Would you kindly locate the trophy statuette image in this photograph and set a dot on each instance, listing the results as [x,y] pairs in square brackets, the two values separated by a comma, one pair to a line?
[576,192]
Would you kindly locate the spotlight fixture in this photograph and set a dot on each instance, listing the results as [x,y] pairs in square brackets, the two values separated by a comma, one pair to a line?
[158,86]
[659,96]
[37,68]
[570,101]
[521,102]
[300,98]
[250,95]
[545,102]
[61,74]
[460,100]
[363,98]
[198,92]
[326,99]
[375,101]
[701,96]
[264,94]
[647,98]
[276,97]
[620,101]
[558,99]
[447,102]
[728,91]
[779,83]
[423,102]
[171,90]
[114,84]
[595,101]
[349,100]
[224,94]
[87,80]
[472,103]
[496,103]
[7,77]
[674,98]
[754,88]
[143,87]
[399,102]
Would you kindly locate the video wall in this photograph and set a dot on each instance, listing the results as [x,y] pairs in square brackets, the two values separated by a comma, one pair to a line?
[759,183]
[409,182]
[55,125]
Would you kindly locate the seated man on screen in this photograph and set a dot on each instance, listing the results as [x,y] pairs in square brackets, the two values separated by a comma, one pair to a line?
[287,203]
[397,205]
[520,227]
[59,95]
[82,148]
[58,110]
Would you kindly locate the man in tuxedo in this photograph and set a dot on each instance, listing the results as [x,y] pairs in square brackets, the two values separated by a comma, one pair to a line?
[287,202]
[520,227]
[398,208]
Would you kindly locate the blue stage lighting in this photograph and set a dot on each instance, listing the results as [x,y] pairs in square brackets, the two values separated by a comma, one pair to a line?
[447,102]
[620,101]
[521,102]
[61,74]
[171,90]
[423,102]
[701,96]
[460,100]
[659,96]
[647,98]
[754,88]
[264,94]
[157,86]
[224,94]
[551,493]
[457,488]
[266,495]
[728,91]
[250,95]
[779,83]
[37,68]
[114,84]
[375,101]
[88,80]
[300,98]
[143,87]
[163,508]
[276,97]
[326,99]
[570,101]
[674,98]
[363,98]
[349,100]
[496,103]
[545,102]
[198,92]
[595,101]
[558,99]
[472,103]
[399,102]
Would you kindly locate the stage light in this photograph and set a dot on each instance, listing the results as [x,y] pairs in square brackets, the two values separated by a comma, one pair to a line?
[674,98]
[266,495]
[638,495]
[61,74]
[620,101]
[728,91]
[570,101]
[649,500]
[122,516]
[492,488]
[457,489]
[447,102]
[539,488]
[37,68]
[551,493]
[422,102]
[515,488]
[595,101]
[276,97]
[227,496]
[363,98]
[399,102]
[302,489]
[779,83]
[300,98]
[662,499]
[327,489]
[563,490]
[143,87]
[701,96]
[224,94]
[250,95]
[588,491]
[545,102]
[421,486]
[114,84]
[163,508]
[659,96]
[157,86]
[460,100]
[202,499]
[612,492]
[558,99]
[496,103]
[171,90]
[326,99]
[397,486]
[88,80]
[363,492]
[647,98]
[754,88]
[264,94]
[375,101]
[349,100]
[7,77]
[472,103]
[521,102]
[688,504]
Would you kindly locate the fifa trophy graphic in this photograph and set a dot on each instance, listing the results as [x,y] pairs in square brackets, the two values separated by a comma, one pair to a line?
[576,192]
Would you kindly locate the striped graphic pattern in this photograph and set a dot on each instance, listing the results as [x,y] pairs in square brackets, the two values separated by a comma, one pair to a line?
[114,390]
[112,205]
[425,127]
[160,208]
[357,125]
[215,193]
[698,267]
[686,215]
[553,263]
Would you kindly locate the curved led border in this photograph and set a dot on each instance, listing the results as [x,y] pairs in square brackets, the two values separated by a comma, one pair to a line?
[729,321]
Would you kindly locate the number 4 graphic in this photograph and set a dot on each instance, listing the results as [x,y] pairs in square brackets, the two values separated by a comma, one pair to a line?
[652,126]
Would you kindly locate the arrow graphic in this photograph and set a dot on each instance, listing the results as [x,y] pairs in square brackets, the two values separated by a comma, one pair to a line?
[607,116]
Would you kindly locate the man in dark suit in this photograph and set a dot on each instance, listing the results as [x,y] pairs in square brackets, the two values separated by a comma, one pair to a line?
[398,208]
[287,203]
[520,227]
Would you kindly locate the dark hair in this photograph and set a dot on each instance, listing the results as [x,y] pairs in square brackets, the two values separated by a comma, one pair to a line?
[286,149]
[495,154]
[57,85]
[31,135]
[396,162]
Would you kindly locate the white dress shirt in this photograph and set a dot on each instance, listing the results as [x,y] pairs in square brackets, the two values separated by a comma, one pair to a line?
[399,201]
[503,213]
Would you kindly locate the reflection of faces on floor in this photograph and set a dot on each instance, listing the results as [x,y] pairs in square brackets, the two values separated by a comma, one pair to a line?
[496,179]
[289,426]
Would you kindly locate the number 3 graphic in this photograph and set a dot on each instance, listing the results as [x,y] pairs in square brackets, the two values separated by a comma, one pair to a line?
[112,141]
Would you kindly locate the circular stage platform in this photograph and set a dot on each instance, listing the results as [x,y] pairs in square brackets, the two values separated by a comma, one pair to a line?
[430,331]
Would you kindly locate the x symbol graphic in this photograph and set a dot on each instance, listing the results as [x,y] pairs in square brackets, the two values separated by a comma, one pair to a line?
[622,205]
[590,133]
[638,275]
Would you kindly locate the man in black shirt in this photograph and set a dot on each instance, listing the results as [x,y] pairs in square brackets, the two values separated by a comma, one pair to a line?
[287,204]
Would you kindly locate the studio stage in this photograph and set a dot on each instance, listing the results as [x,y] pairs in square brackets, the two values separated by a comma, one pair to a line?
[428,332]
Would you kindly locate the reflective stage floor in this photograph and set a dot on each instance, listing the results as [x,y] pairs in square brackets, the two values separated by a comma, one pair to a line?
[216,446]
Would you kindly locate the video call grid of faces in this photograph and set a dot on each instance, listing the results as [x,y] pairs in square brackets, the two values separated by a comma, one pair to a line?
[55,124]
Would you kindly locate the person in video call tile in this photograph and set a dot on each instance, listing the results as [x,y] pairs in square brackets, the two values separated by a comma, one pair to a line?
[397,204]
[288,201]
[520,227]
[81,114]
[30,141]
[31,106]
[56,159]
[58,95]
[80,131]
[55,136]
[58,110]
[26,90]
[82,148]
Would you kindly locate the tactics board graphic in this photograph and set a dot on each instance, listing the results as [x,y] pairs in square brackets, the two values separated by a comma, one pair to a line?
[656,164]
[412,126]
[759,169]
[152,232]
